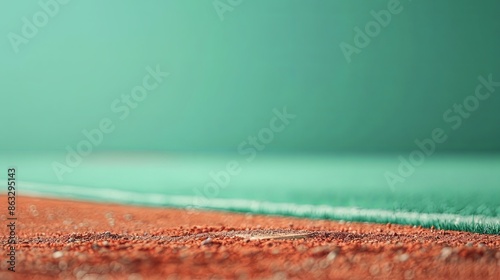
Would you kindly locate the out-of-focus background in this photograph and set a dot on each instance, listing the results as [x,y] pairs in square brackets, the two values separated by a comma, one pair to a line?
[88,110]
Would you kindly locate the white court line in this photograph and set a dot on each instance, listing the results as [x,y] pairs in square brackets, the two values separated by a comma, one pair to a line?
[302,210]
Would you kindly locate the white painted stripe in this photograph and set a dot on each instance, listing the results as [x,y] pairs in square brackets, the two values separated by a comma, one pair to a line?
[313,211]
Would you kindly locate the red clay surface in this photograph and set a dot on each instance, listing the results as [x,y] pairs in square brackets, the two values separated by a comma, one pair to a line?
[60,239]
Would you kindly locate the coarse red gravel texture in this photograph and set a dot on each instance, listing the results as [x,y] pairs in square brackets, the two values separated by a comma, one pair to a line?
[61,239]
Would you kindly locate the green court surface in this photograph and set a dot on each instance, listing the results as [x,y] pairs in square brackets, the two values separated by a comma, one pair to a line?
[447,192]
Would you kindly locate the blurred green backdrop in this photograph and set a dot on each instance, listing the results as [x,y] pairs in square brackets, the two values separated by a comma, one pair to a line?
[64,66]
[227,75]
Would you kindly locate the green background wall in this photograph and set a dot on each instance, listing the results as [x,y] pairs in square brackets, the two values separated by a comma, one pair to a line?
[227,75]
